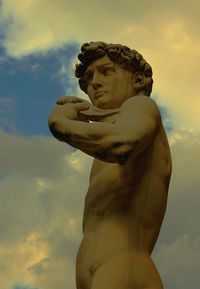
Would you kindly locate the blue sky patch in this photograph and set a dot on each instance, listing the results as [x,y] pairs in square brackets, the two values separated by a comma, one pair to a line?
[29,87]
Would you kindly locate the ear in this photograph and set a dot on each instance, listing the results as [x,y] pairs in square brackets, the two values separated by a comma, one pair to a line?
[139,81]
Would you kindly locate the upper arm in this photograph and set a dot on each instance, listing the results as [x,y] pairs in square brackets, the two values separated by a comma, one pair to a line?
[137,124]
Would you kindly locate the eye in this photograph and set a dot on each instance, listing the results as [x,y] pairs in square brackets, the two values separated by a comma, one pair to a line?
[107,70]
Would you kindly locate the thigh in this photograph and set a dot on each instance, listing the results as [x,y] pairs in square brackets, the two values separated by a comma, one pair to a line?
[83,275]
[83,278]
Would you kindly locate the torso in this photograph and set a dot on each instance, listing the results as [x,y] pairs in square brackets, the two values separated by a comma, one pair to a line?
[124,207]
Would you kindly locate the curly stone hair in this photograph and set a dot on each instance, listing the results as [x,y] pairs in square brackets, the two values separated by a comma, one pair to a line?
[124,56]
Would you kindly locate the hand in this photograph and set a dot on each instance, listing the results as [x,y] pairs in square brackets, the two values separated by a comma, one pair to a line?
[66,110]
[72,100]
[92,113]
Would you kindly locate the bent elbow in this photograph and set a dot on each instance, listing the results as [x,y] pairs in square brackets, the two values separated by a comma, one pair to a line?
[56,129]
[51,124]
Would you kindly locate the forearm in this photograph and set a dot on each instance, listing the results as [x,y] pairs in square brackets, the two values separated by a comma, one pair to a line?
[99,140]
[133,131]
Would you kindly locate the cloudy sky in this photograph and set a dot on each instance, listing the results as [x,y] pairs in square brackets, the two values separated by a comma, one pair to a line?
[43,182]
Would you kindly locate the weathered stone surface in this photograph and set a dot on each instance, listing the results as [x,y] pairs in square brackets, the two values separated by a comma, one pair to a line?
[127,196]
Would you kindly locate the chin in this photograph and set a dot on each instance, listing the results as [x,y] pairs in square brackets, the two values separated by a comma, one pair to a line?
[101,105]
[104,103]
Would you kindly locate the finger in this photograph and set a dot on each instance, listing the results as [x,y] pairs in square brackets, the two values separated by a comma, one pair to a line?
[65,99]
[93,111]
[81,106]
[68,99]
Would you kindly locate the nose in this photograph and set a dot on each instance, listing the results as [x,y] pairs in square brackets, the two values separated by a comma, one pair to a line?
[96,80]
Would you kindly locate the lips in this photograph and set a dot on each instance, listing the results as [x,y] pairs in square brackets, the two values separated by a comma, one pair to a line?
[99,93]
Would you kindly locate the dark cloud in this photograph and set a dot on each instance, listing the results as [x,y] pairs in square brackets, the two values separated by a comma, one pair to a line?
[42,198]
[177,251]
[36,156]
[52,205]
[182,214]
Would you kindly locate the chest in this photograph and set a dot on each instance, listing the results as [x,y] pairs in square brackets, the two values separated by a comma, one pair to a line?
[104,171]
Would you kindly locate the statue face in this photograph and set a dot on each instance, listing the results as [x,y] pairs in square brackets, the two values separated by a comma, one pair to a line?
[108,84]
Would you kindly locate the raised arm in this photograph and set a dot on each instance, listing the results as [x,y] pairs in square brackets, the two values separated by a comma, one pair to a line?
[132,132]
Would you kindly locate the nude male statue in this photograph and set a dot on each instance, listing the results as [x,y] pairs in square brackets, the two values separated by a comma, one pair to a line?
[127,195]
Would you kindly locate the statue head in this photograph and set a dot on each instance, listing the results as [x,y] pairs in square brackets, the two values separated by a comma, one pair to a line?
[125,61]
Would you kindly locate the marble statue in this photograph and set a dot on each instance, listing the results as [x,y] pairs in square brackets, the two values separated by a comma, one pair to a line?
[121,128]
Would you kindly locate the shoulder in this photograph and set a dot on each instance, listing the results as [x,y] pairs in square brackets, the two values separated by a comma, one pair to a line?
[141,105]
[140,101]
